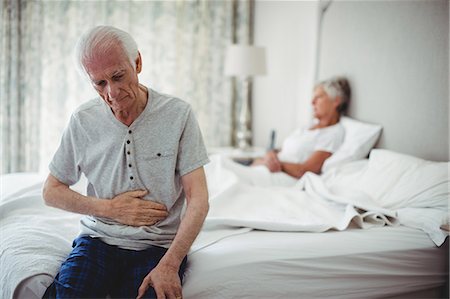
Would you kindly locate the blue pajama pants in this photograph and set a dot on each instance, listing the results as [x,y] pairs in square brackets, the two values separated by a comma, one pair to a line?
[95,269]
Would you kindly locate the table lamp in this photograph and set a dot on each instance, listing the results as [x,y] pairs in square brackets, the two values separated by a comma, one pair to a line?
[245,61]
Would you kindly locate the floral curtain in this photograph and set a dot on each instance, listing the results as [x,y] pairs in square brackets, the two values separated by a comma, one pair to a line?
[182,44]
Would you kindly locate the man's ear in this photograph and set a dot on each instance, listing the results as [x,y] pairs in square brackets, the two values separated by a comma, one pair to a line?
[138,63]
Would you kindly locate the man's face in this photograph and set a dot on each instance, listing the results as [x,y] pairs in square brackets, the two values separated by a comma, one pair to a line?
[114,78]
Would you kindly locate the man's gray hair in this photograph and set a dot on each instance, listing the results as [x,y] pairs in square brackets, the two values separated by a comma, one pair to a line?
[338,87]
[101,39]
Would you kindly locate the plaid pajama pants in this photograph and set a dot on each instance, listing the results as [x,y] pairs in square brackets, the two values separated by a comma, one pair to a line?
[95,269]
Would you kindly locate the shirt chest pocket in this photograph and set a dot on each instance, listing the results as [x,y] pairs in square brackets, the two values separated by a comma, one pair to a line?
[159,163]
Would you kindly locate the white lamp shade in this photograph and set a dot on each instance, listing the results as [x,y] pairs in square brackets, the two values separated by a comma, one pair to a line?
[245,61]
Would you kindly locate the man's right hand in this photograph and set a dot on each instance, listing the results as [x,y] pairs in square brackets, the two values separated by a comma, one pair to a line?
[131,209]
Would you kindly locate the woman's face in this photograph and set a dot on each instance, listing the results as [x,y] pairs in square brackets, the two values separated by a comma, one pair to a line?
[323,105]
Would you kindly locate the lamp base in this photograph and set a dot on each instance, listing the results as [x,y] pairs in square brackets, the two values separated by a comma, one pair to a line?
[244,134]
[244,137]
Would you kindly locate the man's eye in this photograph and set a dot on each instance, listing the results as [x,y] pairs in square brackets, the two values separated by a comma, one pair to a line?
[117,78]
[100,83]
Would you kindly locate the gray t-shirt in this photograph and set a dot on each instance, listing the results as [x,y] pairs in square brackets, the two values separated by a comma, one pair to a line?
[153,153]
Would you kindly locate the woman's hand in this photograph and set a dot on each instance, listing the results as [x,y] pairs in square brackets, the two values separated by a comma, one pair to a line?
[271,161]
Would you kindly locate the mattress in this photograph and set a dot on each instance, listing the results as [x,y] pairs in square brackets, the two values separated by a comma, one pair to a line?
[388,262]
[374,263]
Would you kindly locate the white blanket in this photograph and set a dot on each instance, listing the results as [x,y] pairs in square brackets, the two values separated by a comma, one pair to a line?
[34,239]
[241,200]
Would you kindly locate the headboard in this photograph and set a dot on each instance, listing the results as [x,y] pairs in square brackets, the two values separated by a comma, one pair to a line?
[395,55]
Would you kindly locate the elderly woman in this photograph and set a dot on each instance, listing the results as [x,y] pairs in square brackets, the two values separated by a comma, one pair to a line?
[307,149]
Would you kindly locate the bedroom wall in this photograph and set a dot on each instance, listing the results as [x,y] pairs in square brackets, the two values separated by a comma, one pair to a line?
[287,30]
[396,56]
[394,52]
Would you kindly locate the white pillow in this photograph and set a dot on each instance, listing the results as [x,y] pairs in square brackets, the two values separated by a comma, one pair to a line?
[360,138]
[397,180]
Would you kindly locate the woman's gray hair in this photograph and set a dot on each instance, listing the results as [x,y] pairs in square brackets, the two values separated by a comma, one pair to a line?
[338,87]
[101,39]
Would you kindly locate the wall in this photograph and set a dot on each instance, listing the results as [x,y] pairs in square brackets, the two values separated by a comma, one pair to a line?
[287,30]
[394,52]
[396,56]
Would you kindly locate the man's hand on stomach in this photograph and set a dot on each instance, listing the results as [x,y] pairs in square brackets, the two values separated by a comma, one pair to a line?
[131,209]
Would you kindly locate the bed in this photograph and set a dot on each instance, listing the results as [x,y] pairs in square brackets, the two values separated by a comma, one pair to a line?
[365,228]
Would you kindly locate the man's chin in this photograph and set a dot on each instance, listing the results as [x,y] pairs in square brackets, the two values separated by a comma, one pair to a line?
[119,108]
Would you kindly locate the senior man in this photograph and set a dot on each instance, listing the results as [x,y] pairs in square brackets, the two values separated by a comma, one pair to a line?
[142,153]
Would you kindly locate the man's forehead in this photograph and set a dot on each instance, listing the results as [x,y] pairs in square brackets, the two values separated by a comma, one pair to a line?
[110,63]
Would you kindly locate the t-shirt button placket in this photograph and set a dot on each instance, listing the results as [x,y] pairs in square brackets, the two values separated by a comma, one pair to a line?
[129,158]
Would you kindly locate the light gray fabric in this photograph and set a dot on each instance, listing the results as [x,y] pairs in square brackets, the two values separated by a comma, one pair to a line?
[163,144]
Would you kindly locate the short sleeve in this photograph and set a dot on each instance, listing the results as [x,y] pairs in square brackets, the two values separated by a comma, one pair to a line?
[66,163]
[330,140]
[192,153]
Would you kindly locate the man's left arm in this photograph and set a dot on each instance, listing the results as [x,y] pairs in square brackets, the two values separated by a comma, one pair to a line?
[164,277]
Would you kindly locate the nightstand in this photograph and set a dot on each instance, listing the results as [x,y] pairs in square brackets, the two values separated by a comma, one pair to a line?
[238,155]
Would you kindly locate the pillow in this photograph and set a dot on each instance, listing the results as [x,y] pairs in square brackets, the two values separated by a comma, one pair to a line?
[360,138]
[397,180]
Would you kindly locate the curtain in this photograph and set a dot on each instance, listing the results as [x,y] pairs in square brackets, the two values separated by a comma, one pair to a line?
[182,44]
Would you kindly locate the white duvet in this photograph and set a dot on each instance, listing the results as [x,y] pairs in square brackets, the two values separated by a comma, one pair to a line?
[357,194]
[35,239]
[243,198]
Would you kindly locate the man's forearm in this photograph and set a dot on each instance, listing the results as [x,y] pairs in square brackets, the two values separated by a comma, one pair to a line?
[194,184]
[190,227]
[61,196]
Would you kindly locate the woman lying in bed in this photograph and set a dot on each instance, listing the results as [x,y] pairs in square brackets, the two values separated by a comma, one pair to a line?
[307,149]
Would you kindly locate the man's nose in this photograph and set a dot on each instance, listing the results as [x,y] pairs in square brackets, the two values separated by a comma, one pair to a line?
[113,91]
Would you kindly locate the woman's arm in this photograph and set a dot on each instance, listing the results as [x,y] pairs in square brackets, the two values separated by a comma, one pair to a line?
[314,164]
